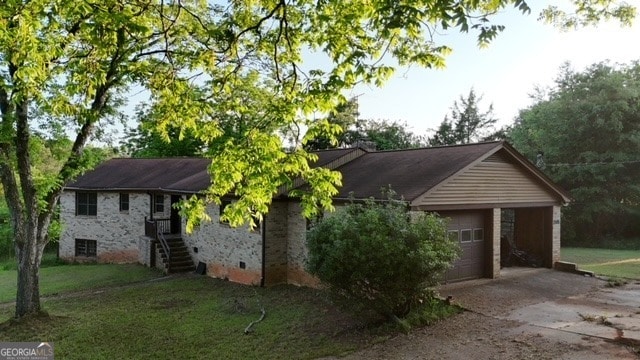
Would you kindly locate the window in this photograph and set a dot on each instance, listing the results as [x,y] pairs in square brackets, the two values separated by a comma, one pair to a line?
[223,205]
[453,235]
[87,248]
[158,204]
[124,202]
[465,235]
[478,234]
[86,203]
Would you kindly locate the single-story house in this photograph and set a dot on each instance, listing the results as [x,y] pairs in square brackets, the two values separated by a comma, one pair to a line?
[488,190]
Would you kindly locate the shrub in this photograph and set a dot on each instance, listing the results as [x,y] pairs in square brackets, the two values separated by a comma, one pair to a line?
[380,255]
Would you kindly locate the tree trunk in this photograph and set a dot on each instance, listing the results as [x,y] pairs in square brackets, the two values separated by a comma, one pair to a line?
[29,253]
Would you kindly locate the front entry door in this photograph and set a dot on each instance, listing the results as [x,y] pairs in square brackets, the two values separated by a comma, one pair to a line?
[176,221]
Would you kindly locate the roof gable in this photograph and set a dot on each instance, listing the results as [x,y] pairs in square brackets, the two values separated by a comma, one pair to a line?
[495,180]
[410,173]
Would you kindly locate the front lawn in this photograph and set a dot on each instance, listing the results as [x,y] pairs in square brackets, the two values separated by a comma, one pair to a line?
[66,278]
[99,311]
[188,317]
[612,263]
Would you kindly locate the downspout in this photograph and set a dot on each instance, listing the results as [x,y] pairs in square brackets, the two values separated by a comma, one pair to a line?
[150,206]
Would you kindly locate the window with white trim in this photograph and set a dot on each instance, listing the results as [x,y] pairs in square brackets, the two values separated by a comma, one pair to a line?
[466,235]
[478,234]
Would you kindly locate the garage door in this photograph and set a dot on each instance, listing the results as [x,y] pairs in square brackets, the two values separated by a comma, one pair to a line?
[468,229]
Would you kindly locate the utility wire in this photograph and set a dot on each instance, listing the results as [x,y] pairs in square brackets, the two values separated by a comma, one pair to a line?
[596,163]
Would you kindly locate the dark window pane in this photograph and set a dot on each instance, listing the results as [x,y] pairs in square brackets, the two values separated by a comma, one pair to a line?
[86,203]
[124,202]
[465,235]
[478,234]
[86,247]
[159,203]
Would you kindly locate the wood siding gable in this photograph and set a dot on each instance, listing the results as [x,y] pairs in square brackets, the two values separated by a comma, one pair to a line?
[497,178]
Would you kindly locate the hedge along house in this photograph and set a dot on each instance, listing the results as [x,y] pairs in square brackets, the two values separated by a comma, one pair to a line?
[488,190]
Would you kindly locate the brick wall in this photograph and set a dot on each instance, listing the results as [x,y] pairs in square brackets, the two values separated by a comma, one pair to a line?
[494,238]
[224,248]
[275,252]
[116,233]
[555,236]
[297,252]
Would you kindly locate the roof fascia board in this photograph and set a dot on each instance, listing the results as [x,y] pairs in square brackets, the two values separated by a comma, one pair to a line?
[132,190]
[484,206]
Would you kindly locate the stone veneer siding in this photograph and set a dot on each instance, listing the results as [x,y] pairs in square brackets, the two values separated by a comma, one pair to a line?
[116,233]
[223,248]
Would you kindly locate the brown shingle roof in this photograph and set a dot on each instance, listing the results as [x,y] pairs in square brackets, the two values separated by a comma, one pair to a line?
[171,174]
[409,172]
[327,156]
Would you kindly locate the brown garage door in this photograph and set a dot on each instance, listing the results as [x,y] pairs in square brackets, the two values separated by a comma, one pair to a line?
[468,229]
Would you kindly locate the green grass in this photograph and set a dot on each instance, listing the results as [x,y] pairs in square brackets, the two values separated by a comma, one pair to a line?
[57,279]
[186,317]
[192,317]
[607,262]
[48,259]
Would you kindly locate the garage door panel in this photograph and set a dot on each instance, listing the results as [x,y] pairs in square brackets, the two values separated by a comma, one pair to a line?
[468,229]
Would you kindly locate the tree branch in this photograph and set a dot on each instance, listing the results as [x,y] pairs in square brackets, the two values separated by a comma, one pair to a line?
[90,117]
[21,143]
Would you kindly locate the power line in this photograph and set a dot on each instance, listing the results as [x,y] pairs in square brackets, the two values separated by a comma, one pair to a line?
[596,163]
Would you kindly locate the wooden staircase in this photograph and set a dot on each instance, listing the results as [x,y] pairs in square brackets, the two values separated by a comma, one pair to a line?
[180,258]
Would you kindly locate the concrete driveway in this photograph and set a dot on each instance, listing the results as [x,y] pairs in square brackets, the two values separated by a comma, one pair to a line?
[579,310]
[526,314]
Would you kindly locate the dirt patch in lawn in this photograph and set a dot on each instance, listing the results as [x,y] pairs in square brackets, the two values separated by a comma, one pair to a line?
[34,327]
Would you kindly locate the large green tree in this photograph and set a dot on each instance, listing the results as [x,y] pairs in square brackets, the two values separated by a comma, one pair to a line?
[384,135]
[345,115]
[146,142]
[379,134]
[66,65]
[71,63]
[588,128]
[467,123]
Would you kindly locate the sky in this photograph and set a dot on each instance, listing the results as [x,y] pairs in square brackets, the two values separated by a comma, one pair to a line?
[527,54]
